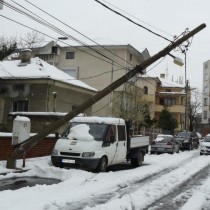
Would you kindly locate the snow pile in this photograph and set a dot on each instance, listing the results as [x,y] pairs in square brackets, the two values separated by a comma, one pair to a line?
[80,132]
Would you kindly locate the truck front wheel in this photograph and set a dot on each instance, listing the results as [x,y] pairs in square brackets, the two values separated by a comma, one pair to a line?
[102,165]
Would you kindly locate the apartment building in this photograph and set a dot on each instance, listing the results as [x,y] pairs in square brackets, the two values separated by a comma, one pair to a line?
[159,92]
[98,66]
[206,94]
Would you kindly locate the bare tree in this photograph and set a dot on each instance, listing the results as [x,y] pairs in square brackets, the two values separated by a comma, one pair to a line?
[194,110]
[31,40]
[7,47]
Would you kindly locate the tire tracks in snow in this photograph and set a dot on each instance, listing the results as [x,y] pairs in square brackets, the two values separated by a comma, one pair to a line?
[178,197]
[123,189]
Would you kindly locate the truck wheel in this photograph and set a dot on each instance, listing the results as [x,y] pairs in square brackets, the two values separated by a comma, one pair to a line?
[102,165]
[135,162]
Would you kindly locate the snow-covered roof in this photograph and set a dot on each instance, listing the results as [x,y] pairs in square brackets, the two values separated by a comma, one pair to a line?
[37,69]
[168,83]
[105,120]
[172,93]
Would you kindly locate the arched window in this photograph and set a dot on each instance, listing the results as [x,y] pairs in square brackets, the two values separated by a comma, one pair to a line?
[145,90]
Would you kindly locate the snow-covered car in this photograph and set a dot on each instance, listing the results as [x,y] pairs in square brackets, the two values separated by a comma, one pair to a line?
[205,146]
[164,144]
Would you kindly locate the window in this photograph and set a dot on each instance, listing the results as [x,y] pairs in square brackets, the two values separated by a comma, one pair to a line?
[205,102]
[206,65]
[69,55]
[168,90]
[18,87]
[111,133]
[168,101]
[205,89]
[20,106]
[121,132]
[205,115]
[145,90]
[72,72]
[206,76]
[131,57]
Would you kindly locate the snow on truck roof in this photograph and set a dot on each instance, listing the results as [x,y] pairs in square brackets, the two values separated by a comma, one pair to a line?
[100,120]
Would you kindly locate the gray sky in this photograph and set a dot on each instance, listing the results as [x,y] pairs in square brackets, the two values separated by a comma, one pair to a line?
[165,17]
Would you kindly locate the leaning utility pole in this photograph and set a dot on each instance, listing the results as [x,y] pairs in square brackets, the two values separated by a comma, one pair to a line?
[11,161]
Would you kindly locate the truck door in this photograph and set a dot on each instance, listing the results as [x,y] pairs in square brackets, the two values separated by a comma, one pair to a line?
[110,144]
[122,145]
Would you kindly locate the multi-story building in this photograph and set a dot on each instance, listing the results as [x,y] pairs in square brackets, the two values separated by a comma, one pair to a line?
[206,94]
[98,66]
[159,92]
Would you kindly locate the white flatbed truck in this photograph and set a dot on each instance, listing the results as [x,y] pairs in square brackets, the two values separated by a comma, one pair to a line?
[94,143]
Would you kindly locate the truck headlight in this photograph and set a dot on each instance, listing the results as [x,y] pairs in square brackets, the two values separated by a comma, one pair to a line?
[55,152]
[88,154]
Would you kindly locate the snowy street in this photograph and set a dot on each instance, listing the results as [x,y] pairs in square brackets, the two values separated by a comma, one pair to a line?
[178,181]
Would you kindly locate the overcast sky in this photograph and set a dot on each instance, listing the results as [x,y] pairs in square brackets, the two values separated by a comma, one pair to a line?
[165,17]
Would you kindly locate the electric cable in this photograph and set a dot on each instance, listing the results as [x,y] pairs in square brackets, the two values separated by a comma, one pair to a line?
[138,18]
[118,13]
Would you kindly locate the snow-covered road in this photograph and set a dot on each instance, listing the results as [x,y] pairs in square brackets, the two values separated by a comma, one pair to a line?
[176,181]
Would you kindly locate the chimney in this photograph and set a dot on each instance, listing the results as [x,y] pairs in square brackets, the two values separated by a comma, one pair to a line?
[25,56]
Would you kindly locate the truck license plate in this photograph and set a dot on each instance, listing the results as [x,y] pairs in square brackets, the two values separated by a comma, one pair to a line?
[68,161]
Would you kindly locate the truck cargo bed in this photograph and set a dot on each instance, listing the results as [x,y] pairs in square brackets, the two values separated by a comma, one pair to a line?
[139,141]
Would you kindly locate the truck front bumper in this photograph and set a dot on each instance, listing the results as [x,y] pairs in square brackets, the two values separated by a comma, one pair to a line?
[86,163]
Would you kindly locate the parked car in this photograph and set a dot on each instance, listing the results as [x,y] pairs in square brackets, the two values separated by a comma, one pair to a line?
[187,140]
[164,144]
[205,146]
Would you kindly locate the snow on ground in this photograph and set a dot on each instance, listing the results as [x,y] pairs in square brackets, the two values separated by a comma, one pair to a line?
[77,184]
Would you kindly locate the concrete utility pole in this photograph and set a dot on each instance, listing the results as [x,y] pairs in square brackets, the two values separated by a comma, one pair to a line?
[29,143]
[1,4]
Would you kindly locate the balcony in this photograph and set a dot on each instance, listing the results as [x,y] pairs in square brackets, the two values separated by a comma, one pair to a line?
[173,108]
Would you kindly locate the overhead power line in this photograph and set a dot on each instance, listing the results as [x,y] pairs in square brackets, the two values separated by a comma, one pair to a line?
[53,27]
[138,18]
[118,13]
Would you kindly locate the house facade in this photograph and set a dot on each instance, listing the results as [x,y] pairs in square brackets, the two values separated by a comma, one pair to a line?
[38,90]
[98,66]
[159,92]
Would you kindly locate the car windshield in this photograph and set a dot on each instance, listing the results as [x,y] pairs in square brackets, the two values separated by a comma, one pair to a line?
[96,130]
[164,139]
[207,139]
[183,134]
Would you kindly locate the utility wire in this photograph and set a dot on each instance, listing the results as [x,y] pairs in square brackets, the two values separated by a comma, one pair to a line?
[138,18]
[56,39]
[71,37]
[47,24]
[74,29]
[118,13]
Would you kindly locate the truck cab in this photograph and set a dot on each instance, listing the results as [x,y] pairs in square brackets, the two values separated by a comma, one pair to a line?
[92,143]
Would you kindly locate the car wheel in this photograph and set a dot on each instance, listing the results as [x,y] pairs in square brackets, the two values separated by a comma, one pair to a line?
[102,165]
[201,153]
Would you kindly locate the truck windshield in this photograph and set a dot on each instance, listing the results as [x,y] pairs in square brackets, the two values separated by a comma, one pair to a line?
[97,130]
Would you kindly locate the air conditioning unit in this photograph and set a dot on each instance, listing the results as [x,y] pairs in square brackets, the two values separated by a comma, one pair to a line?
[21,129]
